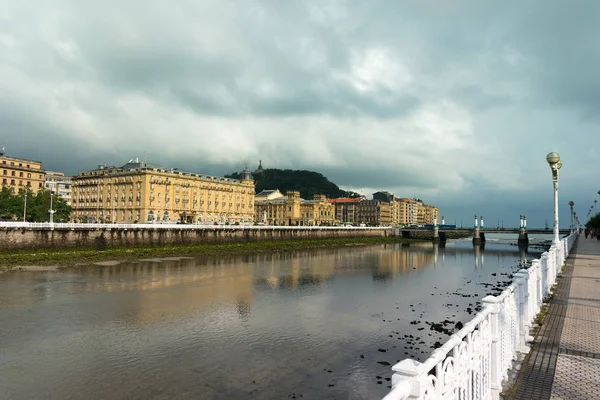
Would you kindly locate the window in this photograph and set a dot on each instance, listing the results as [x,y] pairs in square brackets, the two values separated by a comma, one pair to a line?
[12,173]
[21,174]
[29,174]
[5,172]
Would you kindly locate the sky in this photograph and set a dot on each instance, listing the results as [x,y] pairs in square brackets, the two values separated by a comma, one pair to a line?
[454,102]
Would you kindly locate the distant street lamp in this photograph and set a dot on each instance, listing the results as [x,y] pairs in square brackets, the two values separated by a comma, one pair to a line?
[595,201]
[571,203]
[553,160]
[24,207]
[51,210]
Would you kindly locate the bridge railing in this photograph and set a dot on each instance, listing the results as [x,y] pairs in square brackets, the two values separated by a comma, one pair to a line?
[56,225]
[475,361]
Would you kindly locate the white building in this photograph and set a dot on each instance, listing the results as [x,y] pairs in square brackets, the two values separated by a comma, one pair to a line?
[59,184]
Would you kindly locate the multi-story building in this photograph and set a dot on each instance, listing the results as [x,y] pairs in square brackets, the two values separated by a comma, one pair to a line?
[394,205]
[273,208]
[21,174]
[346,210]
[59,184]
[430,214]
[140,192]
[407,211]
[374,213]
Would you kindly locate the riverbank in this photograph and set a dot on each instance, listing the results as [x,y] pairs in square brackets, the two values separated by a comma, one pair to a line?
[45,259]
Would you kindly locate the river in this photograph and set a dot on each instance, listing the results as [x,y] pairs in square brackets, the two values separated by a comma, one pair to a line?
[319,324]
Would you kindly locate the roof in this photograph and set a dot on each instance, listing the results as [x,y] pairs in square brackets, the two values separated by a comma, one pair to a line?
[18,159]
[266,192]
[345,200]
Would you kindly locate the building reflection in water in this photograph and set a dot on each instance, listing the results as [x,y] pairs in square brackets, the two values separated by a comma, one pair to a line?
[230,284]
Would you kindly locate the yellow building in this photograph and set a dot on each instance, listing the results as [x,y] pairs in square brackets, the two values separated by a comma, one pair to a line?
[139,192]
[21,174]
[271,207]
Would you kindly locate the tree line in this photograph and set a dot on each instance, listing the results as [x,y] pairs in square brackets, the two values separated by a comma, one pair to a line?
[36,206]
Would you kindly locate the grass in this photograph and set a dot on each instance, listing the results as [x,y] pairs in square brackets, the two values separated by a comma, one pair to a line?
[77,256]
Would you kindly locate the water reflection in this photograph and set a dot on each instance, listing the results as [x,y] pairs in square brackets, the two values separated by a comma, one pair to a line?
[261,326]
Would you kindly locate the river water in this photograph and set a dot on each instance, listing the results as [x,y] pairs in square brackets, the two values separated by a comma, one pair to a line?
[321,324]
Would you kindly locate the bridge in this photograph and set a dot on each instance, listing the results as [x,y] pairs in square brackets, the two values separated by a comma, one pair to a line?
[478,232]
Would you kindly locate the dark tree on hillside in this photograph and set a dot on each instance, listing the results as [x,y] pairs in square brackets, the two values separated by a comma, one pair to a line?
[308,183]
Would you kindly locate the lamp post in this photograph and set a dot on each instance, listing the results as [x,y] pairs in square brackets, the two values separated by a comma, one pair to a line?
[595,201]
[571,203]
[553,160]
[24,207]
[51,210]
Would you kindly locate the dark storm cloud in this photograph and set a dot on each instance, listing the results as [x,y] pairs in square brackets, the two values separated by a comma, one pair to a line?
[453,102]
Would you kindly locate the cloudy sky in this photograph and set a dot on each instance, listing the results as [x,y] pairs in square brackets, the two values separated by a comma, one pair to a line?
[455,102]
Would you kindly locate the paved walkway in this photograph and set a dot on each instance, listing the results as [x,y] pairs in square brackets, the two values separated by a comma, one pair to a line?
[565,360]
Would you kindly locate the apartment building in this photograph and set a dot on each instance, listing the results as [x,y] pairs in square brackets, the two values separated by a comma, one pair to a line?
[59,184]
[374,213]
[141,192]
[21,173]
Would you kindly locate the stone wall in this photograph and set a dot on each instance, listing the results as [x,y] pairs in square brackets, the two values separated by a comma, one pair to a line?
[46,238]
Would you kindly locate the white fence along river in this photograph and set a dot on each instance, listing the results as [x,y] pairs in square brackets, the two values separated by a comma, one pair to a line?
[67,225]
[475,361]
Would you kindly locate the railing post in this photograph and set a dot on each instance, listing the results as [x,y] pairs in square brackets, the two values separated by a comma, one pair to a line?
[536,267]
[522,280]
[545,273]
[495,350]
[408,370]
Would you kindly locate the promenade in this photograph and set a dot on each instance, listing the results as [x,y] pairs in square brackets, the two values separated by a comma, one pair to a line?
[565,358]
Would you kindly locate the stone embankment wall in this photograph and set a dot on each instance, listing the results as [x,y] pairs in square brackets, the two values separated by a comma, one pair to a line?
[45,238]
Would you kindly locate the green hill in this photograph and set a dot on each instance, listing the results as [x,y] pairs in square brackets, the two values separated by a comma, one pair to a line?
[308,183]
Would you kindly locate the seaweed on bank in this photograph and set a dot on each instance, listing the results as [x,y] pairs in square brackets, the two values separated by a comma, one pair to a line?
[68,257]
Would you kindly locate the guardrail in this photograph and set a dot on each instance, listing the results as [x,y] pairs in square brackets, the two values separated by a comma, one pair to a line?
[473,363]
[48,225]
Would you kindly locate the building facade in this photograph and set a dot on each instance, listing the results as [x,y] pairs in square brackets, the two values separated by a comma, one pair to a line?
[138,192]
[59,184]
[346,210]
[374,213]
[271,207]
[21,174]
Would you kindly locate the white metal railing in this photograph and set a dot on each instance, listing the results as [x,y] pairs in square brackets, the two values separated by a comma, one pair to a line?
[475,361]
[56,225]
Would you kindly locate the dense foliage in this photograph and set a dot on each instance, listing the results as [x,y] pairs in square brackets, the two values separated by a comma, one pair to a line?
[308,183]
[594,222]
[38,206]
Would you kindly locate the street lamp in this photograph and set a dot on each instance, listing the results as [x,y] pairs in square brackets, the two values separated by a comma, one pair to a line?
[571,203]
[24,207]
[595,201]
[553,160]
[51,210]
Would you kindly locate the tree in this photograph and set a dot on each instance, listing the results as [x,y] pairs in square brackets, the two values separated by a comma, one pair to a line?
[594,222]
[8,204]
[38,206]
[308,183]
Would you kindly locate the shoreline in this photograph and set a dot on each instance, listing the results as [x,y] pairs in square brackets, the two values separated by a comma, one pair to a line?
[58,259]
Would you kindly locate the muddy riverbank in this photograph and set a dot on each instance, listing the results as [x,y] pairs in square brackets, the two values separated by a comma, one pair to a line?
[45,259]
